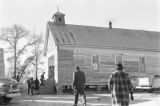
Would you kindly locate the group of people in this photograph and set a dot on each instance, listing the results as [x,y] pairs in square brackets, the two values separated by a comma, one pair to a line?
[34,85]
[119,85]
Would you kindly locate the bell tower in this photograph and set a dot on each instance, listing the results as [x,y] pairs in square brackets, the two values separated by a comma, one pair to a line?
[58,18]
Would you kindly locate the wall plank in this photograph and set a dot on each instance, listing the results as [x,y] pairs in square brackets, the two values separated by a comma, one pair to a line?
[152,65]
[65,65]
[68,59]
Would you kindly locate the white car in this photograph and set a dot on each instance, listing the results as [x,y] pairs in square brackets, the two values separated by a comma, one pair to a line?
[149,83]
[9,88]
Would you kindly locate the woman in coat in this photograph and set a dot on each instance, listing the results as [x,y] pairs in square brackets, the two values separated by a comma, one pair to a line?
[120,86]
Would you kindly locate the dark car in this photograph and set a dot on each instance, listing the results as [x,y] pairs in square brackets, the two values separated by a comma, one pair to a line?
[9,88]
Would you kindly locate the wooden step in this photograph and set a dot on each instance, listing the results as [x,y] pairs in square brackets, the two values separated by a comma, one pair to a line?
[48,88]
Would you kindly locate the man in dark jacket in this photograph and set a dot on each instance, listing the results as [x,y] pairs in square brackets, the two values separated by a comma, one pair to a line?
[78,85]
[29,85]
[36,82]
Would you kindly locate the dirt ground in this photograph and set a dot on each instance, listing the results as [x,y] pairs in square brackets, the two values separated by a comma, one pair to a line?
[141,98]
[93,99]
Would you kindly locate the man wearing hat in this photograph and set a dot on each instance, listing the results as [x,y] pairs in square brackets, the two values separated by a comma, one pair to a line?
[78,85]
[120,87]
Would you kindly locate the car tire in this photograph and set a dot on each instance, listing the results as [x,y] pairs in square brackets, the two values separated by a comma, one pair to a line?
[151,90]
[7,100]
[1,100]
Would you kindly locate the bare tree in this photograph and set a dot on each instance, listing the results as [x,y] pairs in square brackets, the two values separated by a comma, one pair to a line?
[25,65]
[18,39]
[37,52]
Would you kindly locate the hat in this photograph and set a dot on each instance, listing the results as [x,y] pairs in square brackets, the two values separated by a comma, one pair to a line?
[120,66]
[77,68]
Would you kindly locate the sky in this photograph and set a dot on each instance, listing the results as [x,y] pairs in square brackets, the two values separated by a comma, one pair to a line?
[128,14]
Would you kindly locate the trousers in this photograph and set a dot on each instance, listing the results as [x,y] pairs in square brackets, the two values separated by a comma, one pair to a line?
[81,92]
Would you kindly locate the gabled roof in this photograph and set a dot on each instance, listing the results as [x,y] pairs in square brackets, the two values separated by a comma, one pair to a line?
[104,37]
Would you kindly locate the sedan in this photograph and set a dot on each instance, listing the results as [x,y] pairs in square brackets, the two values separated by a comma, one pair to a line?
[9,88]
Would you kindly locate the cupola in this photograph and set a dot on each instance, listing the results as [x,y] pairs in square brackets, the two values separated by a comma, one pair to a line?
[58,18]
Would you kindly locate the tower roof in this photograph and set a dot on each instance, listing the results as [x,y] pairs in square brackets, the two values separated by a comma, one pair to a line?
[58,13]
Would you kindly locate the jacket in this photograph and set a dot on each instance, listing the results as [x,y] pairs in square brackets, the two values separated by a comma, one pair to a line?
[78,79]
[120,87]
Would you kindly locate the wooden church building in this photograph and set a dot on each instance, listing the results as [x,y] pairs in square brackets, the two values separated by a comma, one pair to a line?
[96,50]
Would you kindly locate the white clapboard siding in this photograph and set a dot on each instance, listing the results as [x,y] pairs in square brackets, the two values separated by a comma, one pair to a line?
[65,66]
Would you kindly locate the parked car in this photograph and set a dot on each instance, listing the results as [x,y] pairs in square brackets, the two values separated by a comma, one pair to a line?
[9,88]
[149,83]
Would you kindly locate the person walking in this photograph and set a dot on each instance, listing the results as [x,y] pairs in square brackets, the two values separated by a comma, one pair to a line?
[120,87]
[29,85]
[78,86]
[36,85]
